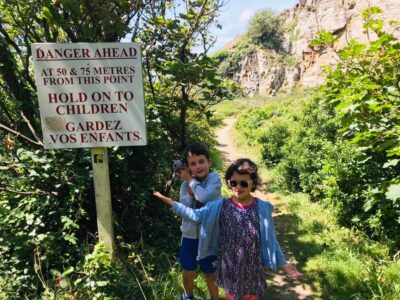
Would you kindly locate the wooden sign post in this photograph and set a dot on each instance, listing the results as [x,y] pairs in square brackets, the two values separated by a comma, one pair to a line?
[103,198]
[91,95]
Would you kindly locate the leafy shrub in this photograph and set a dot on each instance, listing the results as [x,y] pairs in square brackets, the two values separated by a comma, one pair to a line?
[272,137]
[364,92]
[250,122]
[266,30]
[104,279]
[39,217]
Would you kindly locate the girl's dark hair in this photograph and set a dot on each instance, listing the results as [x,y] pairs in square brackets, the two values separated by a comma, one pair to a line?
[197,149]
[243,166]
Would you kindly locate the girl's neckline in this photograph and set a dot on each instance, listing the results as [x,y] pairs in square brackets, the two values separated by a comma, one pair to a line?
[237,204]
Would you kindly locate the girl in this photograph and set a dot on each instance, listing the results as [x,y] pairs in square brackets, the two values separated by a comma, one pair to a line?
[240,232]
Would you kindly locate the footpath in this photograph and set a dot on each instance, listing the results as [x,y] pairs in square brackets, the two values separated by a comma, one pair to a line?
[278,285]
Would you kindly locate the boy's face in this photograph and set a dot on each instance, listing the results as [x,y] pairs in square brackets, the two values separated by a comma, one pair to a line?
[199,165]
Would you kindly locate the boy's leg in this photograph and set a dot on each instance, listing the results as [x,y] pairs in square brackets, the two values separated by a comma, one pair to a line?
[208,267]
[187,258]
[188,278]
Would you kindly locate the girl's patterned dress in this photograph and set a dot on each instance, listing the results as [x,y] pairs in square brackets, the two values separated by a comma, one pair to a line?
[239,265]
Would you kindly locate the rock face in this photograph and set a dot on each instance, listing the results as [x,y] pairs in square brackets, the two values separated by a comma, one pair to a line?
[256,74]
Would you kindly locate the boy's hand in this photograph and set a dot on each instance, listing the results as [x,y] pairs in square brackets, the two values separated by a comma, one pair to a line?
[190,192]
[292,272]
[163,198]
[184,174]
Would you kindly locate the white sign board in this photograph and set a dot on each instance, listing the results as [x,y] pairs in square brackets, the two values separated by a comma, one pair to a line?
[90,94]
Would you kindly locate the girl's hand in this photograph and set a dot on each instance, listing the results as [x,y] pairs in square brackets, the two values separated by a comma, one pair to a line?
[163,198]
[292,272]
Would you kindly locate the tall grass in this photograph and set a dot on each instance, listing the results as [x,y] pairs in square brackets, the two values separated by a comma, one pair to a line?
[340,263]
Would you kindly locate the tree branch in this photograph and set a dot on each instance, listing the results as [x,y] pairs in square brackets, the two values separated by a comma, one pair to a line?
[31,128]
[37,192]
[18,134]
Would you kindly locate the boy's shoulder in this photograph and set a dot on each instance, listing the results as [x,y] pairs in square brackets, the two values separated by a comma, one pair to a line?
[213,175]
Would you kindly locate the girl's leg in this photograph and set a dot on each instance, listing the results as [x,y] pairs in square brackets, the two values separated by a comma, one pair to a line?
[246,297]
[250,297]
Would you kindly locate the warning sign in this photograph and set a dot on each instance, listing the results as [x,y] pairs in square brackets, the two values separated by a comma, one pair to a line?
[90,94]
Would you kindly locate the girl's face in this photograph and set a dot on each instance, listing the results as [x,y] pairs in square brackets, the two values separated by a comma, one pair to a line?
[241,186]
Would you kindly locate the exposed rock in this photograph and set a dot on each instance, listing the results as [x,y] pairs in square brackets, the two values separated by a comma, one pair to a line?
[259,74]
[340,17]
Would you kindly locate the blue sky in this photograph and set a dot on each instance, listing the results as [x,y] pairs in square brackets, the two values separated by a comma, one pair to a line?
[235,16]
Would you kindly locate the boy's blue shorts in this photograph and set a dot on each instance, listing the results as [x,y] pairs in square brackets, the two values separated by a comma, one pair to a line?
[188,254]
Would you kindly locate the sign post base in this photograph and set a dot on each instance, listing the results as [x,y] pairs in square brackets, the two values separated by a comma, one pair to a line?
[103,198]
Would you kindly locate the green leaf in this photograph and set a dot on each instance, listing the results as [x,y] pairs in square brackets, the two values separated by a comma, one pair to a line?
[55,272]
[68,271]
[394,151]
[393,192]
[391,163]
[70,239]
[64,283]
[101,283]
[369,204]
[47,14]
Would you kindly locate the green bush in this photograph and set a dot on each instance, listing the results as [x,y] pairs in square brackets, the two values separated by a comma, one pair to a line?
[364,92]
[266,30]
[273,135]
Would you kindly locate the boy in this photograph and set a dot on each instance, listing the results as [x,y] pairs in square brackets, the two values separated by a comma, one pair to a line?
[199,186]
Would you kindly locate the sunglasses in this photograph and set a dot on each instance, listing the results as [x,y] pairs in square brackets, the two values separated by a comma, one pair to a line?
[242,183]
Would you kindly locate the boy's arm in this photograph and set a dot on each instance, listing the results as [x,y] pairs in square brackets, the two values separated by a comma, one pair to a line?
[184,196]
[210,192]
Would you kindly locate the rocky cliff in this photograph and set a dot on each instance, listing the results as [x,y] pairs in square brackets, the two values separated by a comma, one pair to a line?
[256,74]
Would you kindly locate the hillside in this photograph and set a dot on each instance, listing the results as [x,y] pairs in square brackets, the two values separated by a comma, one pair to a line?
[260,72]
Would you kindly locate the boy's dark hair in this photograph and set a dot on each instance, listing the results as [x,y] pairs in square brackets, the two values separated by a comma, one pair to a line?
[197,149]
[243,166]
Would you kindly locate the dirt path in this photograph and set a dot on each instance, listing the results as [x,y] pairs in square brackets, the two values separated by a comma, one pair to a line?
[279,286]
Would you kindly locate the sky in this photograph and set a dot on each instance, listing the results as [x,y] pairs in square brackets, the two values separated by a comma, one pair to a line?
[236,14]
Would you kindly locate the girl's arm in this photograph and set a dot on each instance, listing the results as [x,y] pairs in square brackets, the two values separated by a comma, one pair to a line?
[180,209]
[164,199]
